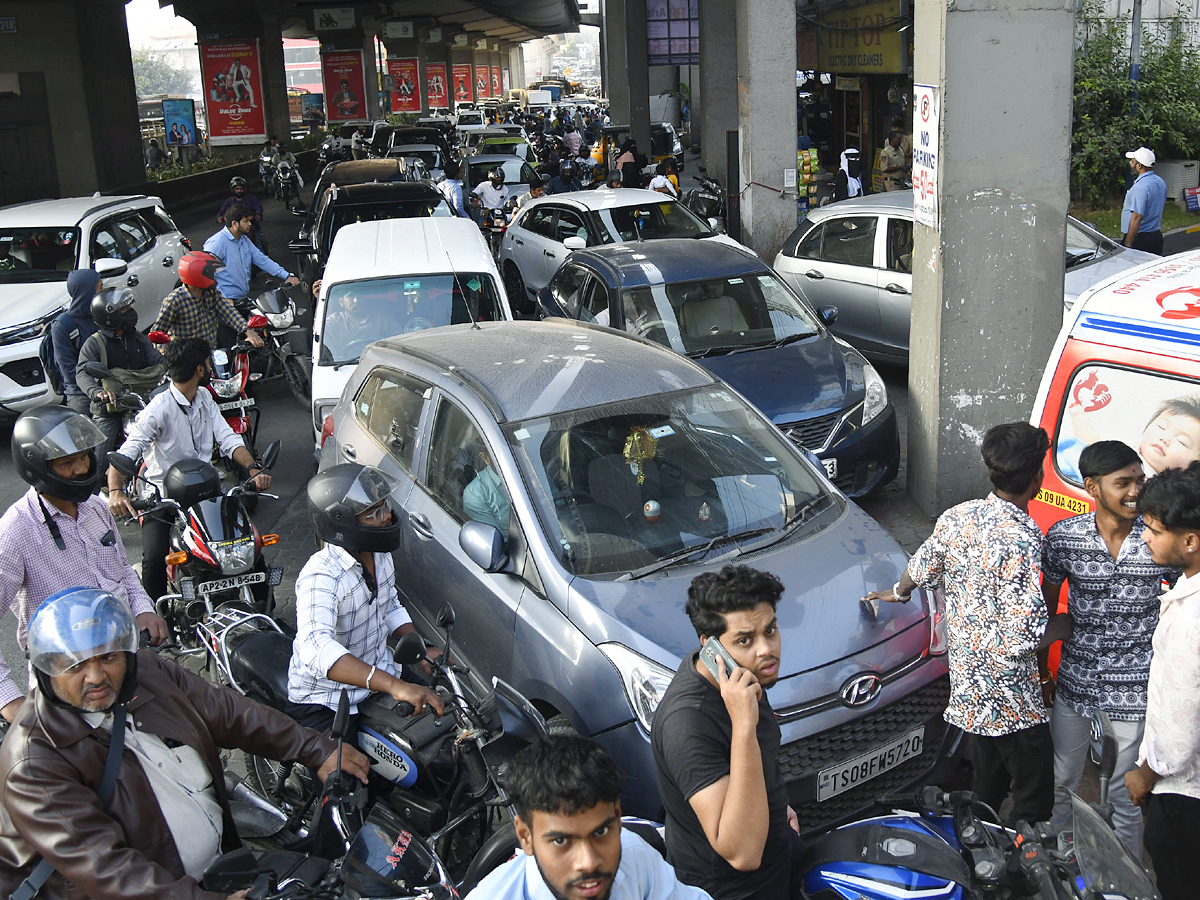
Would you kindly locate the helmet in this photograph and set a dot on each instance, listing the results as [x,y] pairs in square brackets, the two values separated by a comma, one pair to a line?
[237,181]
[189,481]
[566,166]
[47,433]
[199,268]
[337,496]
[76,624]
[109,307]
[496,173]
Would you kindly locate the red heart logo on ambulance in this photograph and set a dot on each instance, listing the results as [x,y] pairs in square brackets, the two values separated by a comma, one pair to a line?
[1091,393]
[1181,303]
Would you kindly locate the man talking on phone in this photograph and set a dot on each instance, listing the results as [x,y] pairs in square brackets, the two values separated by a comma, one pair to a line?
[729,829]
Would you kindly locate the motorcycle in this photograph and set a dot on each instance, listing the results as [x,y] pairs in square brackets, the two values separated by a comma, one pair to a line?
[287,184]
[331,150]
[708,200]
[266,169]
[286,345]
[493,223]
[443,802]
[216,564]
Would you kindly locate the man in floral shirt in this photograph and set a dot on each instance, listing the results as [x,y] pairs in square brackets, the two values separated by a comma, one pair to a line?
[986,557]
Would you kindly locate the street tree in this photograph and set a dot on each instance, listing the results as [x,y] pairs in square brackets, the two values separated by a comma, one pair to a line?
[153,74]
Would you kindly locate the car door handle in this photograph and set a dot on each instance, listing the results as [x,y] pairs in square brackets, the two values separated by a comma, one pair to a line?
[132,281]
[421,526]
[549,254]
[894,288]
[518,242]
[814,274]
[349,452]
[168,261]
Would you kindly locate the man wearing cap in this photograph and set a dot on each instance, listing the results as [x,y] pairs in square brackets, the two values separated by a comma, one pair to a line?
[1141,216]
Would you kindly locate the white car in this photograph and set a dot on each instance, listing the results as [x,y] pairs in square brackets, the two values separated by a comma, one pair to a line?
[546,230]
[41,242]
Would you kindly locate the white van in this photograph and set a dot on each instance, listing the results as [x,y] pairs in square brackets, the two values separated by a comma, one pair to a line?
[391,277]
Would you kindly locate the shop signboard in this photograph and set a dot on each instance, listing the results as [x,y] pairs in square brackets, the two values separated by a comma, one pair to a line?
[462,83]
[345,85]
[926,120]
[436,94]
[232,81]
[405,96]
[860,40]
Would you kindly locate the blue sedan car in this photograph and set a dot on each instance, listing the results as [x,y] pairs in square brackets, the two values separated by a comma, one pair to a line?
[726,309]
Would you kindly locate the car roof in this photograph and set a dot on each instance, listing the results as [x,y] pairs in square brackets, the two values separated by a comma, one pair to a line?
[603,198]
[888,201]
[67,211]
[386,190]
[491,158]
[524,370]
[421,246]
[361,171]
[669,261]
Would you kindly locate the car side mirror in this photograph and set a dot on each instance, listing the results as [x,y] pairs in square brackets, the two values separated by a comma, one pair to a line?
[301,247]
[828,314]
[299,212]
[575,242]
[483,545]
[715,224]
[110,268]
[410,650]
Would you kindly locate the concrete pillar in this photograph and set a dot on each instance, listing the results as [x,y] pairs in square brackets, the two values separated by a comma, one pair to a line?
[371,75]
[276,112]
[717,96]
[627,68]
[766,51]
[110,95]
[988,283]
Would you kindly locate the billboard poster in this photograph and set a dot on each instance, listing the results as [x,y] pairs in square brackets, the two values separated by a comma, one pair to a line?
[232,79]
[436,94]
[496,91]
[179,122]
[483,82]
[345,85]
[462,83]
[405,96]
[312,110]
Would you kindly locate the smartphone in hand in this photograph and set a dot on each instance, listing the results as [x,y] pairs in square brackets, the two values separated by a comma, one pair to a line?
[708,655]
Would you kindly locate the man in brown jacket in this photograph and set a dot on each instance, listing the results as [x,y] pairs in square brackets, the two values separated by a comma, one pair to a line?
[168,815]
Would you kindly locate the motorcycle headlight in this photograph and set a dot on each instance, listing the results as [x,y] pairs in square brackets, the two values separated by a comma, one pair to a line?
[644,681]
[283,319]
[227,387]
[935,605]
[235,557]
[876,400]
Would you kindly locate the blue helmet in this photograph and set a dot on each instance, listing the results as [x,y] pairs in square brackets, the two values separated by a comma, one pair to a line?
[75,625]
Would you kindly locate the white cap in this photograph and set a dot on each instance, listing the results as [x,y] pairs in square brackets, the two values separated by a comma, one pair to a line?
[1144,155]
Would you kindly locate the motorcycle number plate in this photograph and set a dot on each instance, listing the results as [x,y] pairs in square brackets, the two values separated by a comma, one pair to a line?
[844,776]
[235,581]
[236,404]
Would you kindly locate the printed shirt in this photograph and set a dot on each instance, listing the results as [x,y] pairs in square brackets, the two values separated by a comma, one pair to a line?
[1146,196]
[1171,741]
[986,556]
[642,875]
[233,281]
[336,614]
[1114,607]
[184,316]
[32,567]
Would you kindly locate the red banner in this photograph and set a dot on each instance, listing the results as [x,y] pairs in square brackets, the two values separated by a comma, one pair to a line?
[483,82]
[233,92]
[405,96]
[345,85]
[496,90]
[462,83]
[435,86]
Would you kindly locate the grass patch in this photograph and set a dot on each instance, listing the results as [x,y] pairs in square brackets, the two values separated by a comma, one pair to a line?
[1108,220]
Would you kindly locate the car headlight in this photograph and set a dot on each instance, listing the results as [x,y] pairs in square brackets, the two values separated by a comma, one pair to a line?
[236,557]
[935,605]
[28,331]
[876,400]
[227,387]
[644,681]
[283,319]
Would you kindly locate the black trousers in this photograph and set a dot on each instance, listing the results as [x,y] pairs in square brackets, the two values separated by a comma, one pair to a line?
[156,544]
[1173,839]
[1021,763]
[1150,241]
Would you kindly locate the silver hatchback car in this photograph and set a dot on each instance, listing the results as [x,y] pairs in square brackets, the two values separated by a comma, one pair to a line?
[562,483]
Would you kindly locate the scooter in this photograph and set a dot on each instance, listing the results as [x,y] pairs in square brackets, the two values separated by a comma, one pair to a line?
[708,200]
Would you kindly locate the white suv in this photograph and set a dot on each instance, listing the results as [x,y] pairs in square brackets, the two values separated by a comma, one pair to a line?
[41,242]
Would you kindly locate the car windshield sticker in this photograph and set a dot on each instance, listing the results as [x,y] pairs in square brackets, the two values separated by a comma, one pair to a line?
[735,281]
[661,431]
[521,434]
[364,408]
[770,459]
[473,284]
[412,286]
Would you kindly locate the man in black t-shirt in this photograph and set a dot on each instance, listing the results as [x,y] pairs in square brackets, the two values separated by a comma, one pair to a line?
[729,828]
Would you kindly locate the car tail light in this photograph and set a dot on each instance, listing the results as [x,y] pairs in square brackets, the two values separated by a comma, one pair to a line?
[326,430]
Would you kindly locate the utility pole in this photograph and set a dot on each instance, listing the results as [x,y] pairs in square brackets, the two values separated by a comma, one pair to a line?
[1135,56]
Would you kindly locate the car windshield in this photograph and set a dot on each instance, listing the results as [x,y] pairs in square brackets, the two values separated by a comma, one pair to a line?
[359,312]
[651,481]
[718,315]
[428,155]
[38,254]
[349,213]
[516,171]
[1085,245]
[667,219]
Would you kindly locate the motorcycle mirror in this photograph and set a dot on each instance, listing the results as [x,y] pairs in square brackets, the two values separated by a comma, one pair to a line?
[1108,746]
[410,650]
[159,337]
[122,464]
[341,719]
[271,456]
[445,616]
[96,369]
[258,322]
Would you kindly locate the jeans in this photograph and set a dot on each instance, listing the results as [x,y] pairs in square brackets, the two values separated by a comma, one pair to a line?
[1022,762]
[1173,839]
[113,427]
[1071,733]
[80,403]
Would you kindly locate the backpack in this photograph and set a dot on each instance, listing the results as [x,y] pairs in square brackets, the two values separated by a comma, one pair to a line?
[46,355]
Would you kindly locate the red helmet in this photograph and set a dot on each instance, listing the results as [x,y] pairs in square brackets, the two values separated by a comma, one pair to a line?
[199,268]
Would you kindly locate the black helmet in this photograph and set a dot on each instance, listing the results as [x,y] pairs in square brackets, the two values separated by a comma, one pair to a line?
[566,165]
[496,173]
[189,481]
[237,181]
[47,433]
[337,496]
[109,307]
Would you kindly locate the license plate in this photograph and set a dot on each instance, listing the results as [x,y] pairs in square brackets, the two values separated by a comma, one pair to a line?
[844,776]
[830,466]
[226,584]
[235,404]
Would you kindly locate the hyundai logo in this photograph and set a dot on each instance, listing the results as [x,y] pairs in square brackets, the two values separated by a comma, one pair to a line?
[861,689]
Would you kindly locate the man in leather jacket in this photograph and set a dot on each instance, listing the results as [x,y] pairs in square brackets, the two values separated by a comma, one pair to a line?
[83,648]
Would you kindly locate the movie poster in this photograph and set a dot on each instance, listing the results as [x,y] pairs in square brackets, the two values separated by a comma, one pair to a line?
[345,85]
[436,95]
[179,122]
[496,91]
[462,83]
[405,96]
[312,110]
[483,82]
[232,80]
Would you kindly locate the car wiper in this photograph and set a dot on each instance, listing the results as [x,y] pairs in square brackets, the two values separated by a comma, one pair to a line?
[720,350]
[804,509]
[687,552]
[778,342]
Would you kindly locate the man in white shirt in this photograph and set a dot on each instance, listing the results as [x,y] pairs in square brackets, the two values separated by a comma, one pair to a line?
[182,422]
[493,193]
[567,794]
[1167,781]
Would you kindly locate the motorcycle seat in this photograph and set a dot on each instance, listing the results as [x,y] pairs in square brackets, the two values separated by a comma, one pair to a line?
[259,662]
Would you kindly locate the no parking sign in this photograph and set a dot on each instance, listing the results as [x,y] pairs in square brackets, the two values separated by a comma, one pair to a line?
[926,119]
